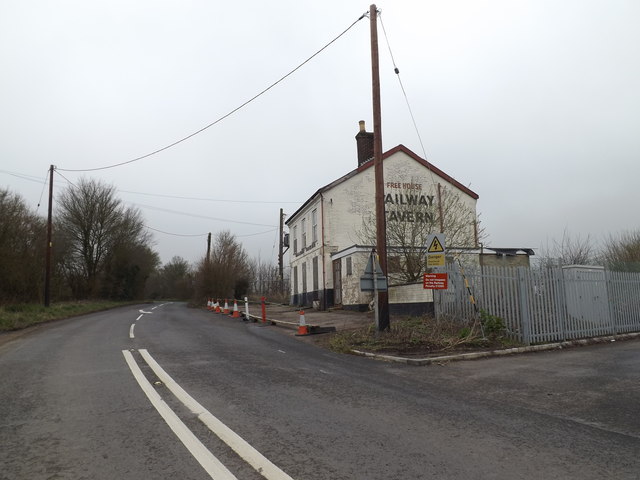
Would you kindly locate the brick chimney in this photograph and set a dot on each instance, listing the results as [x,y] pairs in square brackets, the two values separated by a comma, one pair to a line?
[364,142]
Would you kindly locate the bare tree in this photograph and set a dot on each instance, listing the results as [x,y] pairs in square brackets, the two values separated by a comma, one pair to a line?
[569,251]
[622,252]
[411,217]
[173,280]
[265,281]
[22,246]
[96,230]
[226,274]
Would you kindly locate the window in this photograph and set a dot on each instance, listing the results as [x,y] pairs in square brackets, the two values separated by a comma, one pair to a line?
[314,267]
[303,227]
[295,239]
[314,226]
[304,277]
[295,280]
[349,267]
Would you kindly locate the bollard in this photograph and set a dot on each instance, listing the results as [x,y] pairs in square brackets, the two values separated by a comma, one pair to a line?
[246,309]
[264,310]
[302,325]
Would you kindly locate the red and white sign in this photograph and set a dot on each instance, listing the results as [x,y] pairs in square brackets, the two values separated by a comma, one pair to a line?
[435,281]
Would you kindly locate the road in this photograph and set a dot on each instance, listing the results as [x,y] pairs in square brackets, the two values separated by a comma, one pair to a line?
[163,391]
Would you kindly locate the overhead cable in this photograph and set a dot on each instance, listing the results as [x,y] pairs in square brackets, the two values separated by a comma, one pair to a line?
[200,216]
[166,147]
[203,199]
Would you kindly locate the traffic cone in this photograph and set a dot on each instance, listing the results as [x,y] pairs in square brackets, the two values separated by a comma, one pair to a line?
[226,307]
[236,313]
[209,304]
[302,325]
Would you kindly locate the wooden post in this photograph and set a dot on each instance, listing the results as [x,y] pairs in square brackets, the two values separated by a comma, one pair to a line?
[381,221]
[47,270]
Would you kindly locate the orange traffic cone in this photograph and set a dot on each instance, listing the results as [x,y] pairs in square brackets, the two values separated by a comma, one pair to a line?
[236,313]
[302,325]
[226,307]
[216,306]
[209,304]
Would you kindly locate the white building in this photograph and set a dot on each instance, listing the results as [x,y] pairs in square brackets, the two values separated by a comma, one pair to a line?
[331,233]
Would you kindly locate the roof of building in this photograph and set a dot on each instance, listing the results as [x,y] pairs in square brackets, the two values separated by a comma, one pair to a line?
[369,164]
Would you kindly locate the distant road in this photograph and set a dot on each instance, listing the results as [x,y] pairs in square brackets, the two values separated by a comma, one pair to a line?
[163,391]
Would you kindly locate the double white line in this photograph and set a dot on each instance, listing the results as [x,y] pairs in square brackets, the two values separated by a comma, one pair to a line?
[207,460]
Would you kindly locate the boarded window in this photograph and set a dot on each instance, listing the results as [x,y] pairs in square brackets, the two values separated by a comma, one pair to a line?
[303,228]
[314,226]
[295,280]
[304,277]
[315,274]
[349,267]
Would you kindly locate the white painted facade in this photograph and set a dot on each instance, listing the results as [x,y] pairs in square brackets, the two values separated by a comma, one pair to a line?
[328,246]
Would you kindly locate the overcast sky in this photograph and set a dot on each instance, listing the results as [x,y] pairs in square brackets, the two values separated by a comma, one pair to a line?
[534,104]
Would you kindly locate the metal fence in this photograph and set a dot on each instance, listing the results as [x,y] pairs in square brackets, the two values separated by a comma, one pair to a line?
[546,305]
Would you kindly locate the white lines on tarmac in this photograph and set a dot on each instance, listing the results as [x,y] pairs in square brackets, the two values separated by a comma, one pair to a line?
[249,454]
[131,330]
[205,458]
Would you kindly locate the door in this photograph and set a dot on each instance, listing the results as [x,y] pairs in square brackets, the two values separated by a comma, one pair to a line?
[337,282]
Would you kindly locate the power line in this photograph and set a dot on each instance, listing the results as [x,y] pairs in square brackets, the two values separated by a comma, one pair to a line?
[225,115]
[177,234]
[202,216]
[23,176]
[406,98]
[404,92]
[179,197]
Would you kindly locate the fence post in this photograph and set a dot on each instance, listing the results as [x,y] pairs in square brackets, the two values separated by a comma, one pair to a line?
[264,309]
[525,314]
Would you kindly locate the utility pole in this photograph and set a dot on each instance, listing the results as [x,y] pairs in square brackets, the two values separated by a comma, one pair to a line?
[381,221]
[281,252]
[47,269]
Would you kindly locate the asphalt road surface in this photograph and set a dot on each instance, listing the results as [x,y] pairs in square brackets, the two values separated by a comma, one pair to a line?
[166,392]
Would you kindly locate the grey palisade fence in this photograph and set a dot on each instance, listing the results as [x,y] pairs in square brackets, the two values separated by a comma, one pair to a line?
[546,305]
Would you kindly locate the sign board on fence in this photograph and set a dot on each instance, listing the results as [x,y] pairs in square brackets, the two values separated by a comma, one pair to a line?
[435,260]
[436,250]
[435,281]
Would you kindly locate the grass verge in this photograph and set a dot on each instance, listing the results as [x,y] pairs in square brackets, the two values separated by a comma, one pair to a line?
[16,317]
[421,336]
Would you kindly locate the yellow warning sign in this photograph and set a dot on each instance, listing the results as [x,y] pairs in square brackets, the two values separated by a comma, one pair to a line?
[436,246]
[436,260]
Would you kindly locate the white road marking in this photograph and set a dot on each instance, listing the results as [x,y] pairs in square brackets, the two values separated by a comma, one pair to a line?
[139,317]
[207,460]
[131,330]
[142,311]
[250,455]
[282,351]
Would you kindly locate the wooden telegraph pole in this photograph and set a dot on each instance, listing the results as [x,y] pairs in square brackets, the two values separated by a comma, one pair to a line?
[47,268]
[381,221]
[281,252]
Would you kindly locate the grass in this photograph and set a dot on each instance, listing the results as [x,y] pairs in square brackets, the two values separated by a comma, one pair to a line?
[16,317]
[419,336]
